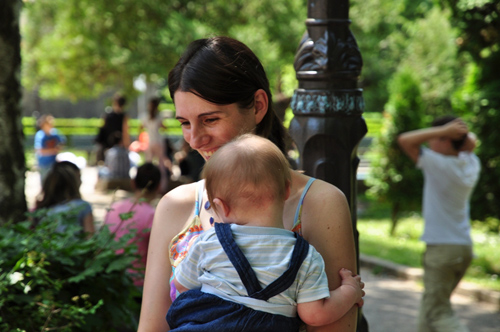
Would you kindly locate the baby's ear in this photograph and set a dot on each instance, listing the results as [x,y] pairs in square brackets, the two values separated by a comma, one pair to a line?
[221,207]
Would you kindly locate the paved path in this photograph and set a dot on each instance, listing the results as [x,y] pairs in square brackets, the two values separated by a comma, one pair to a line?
[391,304]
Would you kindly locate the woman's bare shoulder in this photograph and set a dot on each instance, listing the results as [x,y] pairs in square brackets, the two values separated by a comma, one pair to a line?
[177,205]
[319,189]
[323,189]
[181,194]
[325,206]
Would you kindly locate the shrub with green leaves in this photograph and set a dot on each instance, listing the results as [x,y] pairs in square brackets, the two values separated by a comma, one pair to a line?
[393,177]
[65,281]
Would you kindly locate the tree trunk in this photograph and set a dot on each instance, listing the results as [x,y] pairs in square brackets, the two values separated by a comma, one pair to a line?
[12,162]
[394,217]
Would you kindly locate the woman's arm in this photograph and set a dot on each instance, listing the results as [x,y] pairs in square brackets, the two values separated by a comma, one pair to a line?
[125,132]
[326,224]
[172,213]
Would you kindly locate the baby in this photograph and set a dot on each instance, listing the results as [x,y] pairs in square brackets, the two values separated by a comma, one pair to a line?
[248,273]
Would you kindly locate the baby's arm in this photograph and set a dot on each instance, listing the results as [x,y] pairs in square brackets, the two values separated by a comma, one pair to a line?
[188,269]
[179,287]
[328,310]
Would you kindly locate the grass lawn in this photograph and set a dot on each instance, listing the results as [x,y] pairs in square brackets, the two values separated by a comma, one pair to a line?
[406,248]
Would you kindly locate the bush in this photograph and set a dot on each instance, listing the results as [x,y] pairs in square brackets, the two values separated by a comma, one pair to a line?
[64,281]
[393,177]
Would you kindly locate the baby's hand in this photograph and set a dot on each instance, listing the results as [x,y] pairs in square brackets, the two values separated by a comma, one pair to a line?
[354,281]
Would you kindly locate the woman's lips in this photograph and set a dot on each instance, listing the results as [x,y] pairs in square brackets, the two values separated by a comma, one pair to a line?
[207,154]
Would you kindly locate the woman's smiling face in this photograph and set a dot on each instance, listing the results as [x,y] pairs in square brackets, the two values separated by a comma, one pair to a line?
[206,126]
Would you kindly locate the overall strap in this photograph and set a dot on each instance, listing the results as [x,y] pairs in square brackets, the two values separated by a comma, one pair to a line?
[247,274]
[237,258]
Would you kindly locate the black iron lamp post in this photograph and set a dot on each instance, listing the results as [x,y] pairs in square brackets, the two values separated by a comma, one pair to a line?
[328,126]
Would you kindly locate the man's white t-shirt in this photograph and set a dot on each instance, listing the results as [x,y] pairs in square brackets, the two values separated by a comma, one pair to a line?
[448,185]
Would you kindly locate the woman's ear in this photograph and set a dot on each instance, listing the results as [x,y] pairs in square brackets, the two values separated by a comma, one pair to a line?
[261,105]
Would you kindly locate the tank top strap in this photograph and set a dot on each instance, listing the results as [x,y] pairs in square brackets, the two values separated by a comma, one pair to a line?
[200,187]
[298,212]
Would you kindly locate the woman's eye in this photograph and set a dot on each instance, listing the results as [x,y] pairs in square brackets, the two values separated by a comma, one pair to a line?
[184,123]
[211,120]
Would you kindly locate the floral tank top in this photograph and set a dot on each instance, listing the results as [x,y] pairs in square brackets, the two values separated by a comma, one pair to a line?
[181,242]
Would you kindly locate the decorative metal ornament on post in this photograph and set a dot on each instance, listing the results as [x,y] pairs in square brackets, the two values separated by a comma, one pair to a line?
[328,127]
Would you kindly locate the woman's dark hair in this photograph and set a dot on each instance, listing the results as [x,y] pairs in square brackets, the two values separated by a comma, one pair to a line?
[223,71]
[153,107]
[148,177]
[457,143]
[120,99]
[61,184]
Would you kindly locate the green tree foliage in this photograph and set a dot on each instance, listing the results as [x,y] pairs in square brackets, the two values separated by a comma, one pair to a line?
[424,73]
[432,53]
[380,27]
[79,48]
[52,280]
[479,24]
[393,176]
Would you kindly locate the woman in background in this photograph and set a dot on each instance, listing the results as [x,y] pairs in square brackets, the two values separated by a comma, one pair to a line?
[155,151]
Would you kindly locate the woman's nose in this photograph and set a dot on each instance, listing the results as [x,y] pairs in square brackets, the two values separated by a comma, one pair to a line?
[198,138]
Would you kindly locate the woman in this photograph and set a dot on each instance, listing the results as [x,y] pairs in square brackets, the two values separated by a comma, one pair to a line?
[220,91]
[61,194]
[152,123]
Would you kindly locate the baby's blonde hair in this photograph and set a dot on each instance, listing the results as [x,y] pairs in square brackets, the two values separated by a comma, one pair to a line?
[250,170]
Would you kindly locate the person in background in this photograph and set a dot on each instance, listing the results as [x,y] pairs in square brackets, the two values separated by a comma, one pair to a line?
[231,273]
[115,174]
[117,159]
[48,143]
[115,122]
[190,163]
[451,171]
[153,123]
[61,193]
[140,208]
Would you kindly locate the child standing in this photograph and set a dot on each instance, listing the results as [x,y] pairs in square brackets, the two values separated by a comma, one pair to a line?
[254,275]
[48,144]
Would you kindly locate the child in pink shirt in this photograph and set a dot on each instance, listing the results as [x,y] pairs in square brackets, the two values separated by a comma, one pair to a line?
[146,186]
